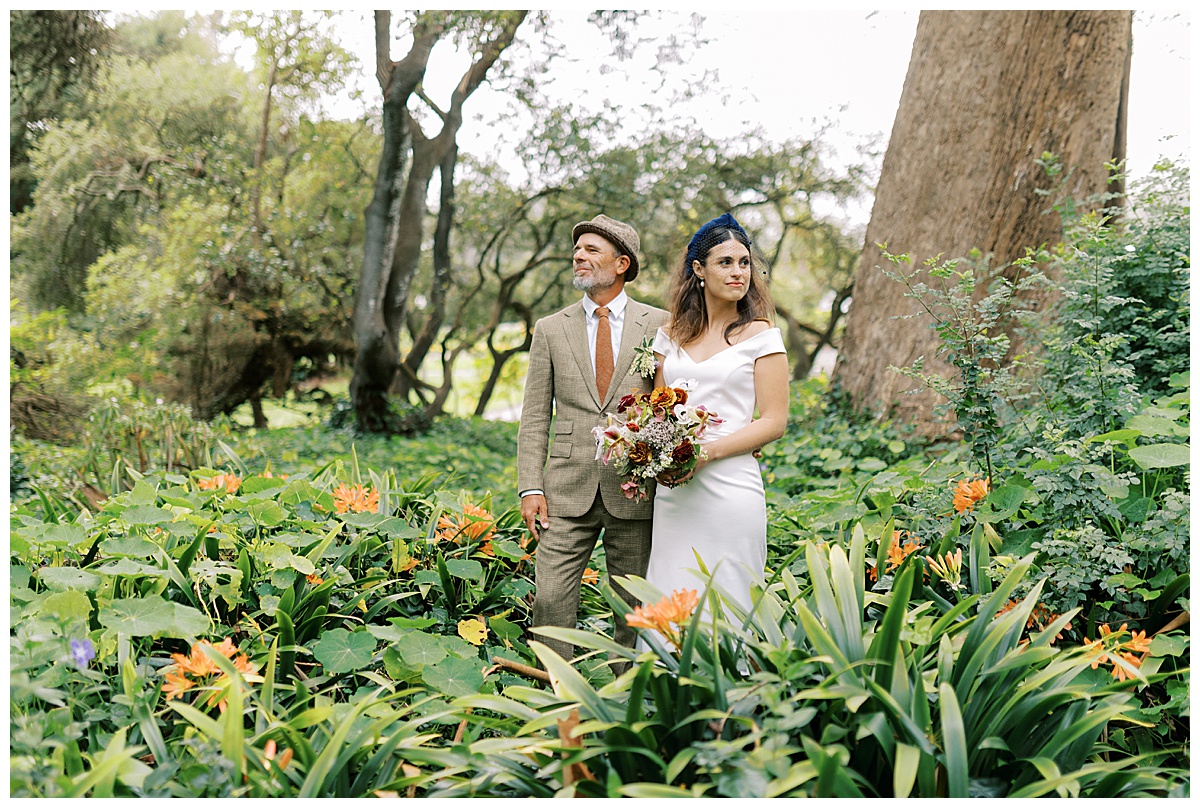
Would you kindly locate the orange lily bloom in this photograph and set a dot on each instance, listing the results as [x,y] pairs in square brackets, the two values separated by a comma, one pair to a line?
[966,494]
[229,482]
[357,498]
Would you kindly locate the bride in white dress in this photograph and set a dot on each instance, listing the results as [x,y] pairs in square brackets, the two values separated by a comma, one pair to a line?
[720,335]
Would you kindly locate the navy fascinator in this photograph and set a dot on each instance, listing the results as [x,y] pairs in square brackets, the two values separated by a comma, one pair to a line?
[704,234]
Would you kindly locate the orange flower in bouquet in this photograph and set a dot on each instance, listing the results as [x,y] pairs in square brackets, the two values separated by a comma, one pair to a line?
[652,432]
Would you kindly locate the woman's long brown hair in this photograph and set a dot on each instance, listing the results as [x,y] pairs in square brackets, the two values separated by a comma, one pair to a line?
[689,313]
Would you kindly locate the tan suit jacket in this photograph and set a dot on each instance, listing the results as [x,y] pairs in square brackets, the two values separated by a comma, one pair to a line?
[561,383]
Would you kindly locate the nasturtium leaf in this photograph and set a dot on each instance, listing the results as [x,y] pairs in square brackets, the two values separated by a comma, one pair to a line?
[282,579]
[187,622]
[464,568]
[267,513]
[61,579]
[389,634]
[1155,425]
[412,622]
[517,588]
[456,647]
[252,485]
[362,520]
[142,494]
[1002,504]
[281,557]
[505,629]
[340,651]
[1126,436]
[1161,455]
[67,606]
[507,548]
[473,630]
[871,464]
[1182,379]
[133,546]
[62,536]
[180,529]
[1170,413]
[143,617]
[127,566]
[1136,509]
[426,577]
[146,515]
[1167,645]
[397,528]
[18,575]
[896,446]
[397,668]
[421,649]
[454,677]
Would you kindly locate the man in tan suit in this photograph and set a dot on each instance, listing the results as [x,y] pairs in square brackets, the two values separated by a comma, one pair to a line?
[579,367]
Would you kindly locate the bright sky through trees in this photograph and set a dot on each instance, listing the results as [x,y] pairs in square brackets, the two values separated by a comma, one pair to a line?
[787,71]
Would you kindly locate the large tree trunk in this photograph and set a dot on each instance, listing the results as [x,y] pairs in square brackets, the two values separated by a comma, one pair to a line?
[442,277]
[377,339]
[395,218]
[987,93]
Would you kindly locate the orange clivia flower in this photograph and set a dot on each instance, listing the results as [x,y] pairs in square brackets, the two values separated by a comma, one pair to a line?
[675,609]
[1126,651]
[476,524]
[1119,673]
[357,498]
[229,482]
[896,553]
[1138,643]
[198,665]
[591,576]
[966,494]
[176,684]
[314,579]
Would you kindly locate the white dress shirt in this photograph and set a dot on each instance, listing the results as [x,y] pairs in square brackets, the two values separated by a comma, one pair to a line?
[616,318]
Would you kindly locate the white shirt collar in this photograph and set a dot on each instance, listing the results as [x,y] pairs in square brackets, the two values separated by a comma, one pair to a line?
[616,306]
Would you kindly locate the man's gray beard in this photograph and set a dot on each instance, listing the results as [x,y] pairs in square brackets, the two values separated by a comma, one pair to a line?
[590,284]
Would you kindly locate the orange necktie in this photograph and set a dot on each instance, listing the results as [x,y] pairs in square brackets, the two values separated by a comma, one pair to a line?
[604,355]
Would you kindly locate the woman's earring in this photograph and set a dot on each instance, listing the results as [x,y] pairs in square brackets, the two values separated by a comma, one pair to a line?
[702,283]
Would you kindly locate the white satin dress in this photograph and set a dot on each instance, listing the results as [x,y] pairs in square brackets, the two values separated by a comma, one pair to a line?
[721,512]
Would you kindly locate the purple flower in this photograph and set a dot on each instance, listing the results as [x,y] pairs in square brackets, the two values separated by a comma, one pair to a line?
[82,652]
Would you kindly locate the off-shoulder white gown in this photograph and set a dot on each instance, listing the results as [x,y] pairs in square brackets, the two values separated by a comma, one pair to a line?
[721,512]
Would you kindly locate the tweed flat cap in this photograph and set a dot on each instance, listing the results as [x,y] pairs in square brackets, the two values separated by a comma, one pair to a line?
[622,235]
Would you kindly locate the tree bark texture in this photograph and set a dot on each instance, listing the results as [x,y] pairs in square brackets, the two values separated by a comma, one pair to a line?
[395,217]
[987,93]
[378,352]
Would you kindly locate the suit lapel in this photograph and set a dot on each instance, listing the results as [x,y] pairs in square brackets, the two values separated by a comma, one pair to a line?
[631,336]
[576,328]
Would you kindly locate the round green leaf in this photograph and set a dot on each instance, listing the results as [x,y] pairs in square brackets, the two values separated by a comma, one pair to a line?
[61,579]
[1161,455]
[340,650]
[421,649]
[454,677]
[146,515]
[134,546]
[67,605]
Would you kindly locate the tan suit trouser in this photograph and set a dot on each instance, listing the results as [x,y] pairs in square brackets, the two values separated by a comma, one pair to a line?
[562,555]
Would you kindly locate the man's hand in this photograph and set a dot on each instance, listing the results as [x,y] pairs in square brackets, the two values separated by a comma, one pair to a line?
[533,511]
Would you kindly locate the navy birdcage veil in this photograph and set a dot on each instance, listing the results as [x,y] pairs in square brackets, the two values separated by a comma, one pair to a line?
[705,234]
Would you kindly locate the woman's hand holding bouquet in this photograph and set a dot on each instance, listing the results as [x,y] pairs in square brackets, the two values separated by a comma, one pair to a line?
[652,433]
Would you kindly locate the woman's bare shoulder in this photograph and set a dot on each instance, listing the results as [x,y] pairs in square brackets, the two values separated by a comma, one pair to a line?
[754,328]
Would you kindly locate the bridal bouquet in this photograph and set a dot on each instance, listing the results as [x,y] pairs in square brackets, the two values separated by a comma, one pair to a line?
[651,433]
